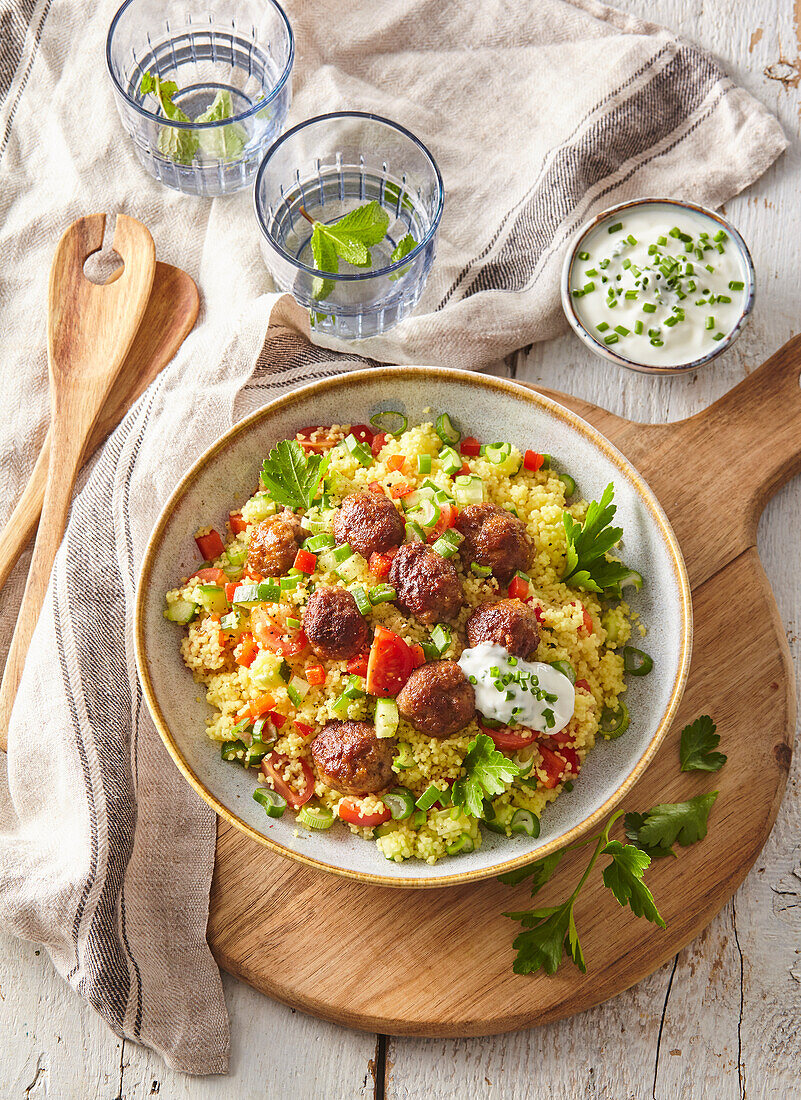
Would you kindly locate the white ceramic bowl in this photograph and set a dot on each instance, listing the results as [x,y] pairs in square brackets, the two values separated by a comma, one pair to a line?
[486,407]
[591,339]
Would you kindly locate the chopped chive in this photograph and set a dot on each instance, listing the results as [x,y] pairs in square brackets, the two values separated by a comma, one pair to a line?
[622,330]
[602,327]
[615,228]
[657,343]
[671,321]
[638,327]
[655,333]
[578,293]
[709,267]
[592,271]
[584,255]
[721,235]
[661,240]
[723,298]
[652,250]
[648,307]
[710,322]
[675,232]
[735,284]
[631,239]
[632,295]
[718,336]
[612,302]
[721,248]
[626,264]
[611,338]
[588,287]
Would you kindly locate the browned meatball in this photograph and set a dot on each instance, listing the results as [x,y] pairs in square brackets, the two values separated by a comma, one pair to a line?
[494,537]
[351,759]
[274,544]
[438,699]
[369,522]
[508,623]
[334,625]
[428,585]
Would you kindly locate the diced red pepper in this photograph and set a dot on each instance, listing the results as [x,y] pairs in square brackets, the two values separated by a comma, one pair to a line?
[305,561]
[230,588]
[533,460]
[222,637]
[262,704]
[584,686]
[470,446]
[357,666]
[402,489]
[351,813]
[380,564]
[248,649]
[315,675]
[465,470]
[379,442]
[210,545]
[539,614]
[277,718]
[376,487]
[238,525]
[211,575]
[587,624]
[418,656]
[398,462]
[303,729]
[518,588]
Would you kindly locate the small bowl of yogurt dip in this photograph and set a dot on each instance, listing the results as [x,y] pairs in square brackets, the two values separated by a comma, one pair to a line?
[658,285]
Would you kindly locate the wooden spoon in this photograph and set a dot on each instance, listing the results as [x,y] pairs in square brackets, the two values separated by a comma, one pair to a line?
[90,329]
[169,318]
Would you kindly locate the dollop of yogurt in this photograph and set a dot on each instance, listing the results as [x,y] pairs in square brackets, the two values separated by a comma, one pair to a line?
[517,692]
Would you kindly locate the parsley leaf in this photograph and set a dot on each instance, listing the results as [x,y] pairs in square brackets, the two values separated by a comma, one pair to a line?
[697,742]
[623,876]
[223,142]
[682,821]
[488,773]
[178,145]
[292,477]
[549,932]
[588,543]
[632,823]
[540,871]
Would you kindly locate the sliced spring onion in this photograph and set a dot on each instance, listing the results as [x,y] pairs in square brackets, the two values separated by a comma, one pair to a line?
[414,532]
[496,453]
[233,750]
[424,464]
[271,800]
[451,460]
[390,421]
[404,758]
[524,821]
[361,598]
[633,579]
[351,568]
[569,484]
[464,844]
[426,514]
[354,689]
[288,584]
[247,594]
[468,489]
[315,817]
[181,611]
[430,795]
[386,718]
[297,689]
[319,542]
[232,622]
[441,637]
[418,819]
[615,722]
[293,624]
[362,453]
[386,827]
[399,802]
[257,750]
[635,662]
[448,543]
[382,593]
[430,651]
[566,669]
[480,570]
[236,555]
[446,431]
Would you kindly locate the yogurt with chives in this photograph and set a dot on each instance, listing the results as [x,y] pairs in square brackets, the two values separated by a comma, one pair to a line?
[659,284]
[517,692]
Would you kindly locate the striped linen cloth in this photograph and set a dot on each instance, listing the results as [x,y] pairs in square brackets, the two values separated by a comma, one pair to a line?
[539,114]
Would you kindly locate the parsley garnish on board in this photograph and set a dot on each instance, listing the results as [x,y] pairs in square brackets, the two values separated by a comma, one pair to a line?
[698,740]
[587,545]
[292,477]
[488,772]
[350,238]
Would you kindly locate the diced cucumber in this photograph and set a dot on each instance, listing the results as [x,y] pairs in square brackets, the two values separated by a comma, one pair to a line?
[265,671]
[386,718]
[259,507]
[297,689]
[469,489]
[212,598]
[451,460]
[351,568]
[232,622]
[181,611]
[246,594]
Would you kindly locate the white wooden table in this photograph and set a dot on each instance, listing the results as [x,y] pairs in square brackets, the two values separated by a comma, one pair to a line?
[722,1019]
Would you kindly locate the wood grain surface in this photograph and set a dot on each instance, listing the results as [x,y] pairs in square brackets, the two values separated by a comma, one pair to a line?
[266,911]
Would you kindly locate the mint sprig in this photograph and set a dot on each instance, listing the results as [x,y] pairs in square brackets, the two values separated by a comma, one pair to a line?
[222,142]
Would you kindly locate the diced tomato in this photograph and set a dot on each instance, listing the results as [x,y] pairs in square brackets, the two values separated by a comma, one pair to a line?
[572,758]
[252,577]
[324,442]
[351,813]
[402,489]
[506,738]
[271,767]
[470,446]
[390,664]
[584,686]
[223,639]
[305,561]
[315,675]
[465,470]
[376,487]
[277,718]
[398,462]
[269,624]
[563,737]
[518,588]
[364,433]
[210,545]
[303,729]
[357,666]
[248,649]
[587,624]
[447,518]
[553,765]
[262,704]
[379,442]
[539,614]
[230,588]
[532,460]
[238,525]
[212,576]
[418,656]
[380,564]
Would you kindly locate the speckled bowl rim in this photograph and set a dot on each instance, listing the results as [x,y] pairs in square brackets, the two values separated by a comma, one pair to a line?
[480,382]
[605,352]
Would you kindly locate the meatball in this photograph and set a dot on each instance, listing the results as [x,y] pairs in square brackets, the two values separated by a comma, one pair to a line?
[508,623]
[274,544]
[370,523]
[494,537]
[438,699]
[427,585]
[351,759]
[334,625]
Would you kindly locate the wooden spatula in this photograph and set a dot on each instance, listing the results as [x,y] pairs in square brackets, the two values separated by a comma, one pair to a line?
[168,319]
[90,329]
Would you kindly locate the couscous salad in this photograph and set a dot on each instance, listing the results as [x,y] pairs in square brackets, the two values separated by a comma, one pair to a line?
[412,633]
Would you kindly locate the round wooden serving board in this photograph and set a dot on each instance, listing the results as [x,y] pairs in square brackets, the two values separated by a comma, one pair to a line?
[439,962]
